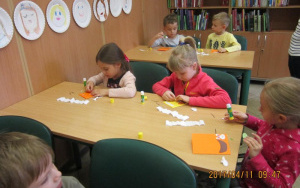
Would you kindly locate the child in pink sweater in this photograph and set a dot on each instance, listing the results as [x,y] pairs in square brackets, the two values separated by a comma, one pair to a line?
[273,156]
[115,74]
[189,83]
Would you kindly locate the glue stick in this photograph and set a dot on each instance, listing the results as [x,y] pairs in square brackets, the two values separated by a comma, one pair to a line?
[229,112]
[84,82]
[199,45]
[142,97]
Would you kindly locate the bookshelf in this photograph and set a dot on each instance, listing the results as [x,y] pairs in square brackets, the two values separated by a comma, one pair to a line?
[270,45]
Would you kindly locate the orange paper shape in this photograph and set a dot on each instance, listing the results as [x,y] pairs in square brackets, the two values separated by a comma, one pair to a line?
[210,144]
[86,95]
[214,51]
[163,48]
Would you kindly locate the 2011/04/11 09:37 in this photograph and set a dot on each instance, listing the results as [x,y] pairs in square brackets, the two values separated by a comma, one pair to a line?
[243,174]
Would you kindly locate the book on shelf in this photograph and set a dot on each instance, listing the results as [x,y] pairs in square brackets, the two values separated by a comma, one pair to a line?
[184,3]
[192,19]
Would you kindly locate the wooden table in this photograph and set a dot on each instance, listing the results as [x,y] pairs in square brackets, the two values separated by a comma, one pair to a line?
[124,118]
[240,61]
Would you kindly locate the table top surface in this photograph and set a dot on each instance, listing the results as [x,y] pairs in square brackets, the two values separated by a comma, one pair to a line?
[233,60]
[124,118]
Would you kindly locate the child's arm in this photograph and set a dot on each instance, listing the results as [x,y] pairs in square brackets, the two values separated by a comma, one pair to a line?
[239,117]
[162,86]
[157,36]
[285,172]
[233,43]
[127,89]
[93,81]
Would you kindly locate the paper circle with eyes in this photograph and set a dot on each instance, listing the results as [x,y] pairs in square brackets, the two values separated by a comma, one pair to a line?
[6,28]
[29,20]
[82,13]
[116,7]
[127,6]
[58,16]
[101,10]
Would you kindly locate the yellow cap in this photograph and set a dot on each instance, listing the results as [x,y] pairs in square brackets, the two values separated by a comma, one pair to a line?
[201,50]
[140,135]
[112,100]
[145,97]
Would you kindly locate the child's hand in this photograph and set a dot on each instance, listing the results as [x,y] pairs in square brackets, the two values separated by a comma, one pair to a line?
[255,145]
[89,87]
[99,92]
[168,96]
[183,98]
[222,50]
[239,117]
[159,35]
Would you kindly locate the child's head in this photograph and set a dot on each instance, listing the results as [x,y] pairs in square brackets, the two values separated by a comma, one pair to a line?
[183,60]
[170,25]
[220,22]
[26,162]
[112,61]
[280,98]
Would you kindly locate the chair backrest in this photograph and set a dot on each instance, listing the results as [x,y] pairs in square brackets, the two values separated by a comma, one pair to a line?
[147,74]
[26,125]
[242,40]
[226,81]
[135,163]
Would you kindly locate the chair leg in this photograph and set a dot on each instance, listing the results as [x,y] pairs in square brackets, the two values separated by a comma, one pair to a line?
[77,155]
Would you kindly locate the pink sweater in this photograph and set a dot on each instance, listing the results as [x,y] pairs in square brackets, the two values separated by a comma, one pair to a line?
[127,84]
[202,90]
[280,153]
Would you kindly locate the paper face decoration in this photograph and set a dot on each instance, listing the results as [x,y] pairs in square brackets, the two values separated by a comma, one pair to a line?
[29,20]
[210,144]
[6,28]
[101,10]
[116,7]
[127,6]
[58,16]
[82,13]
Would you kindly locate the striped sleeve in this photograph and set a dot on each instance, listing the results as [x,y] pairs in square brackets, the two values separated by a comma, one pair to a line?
[294,49]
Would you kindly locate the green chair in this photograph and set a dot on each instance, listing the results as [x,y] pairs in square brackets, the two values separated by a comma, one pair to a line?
[226,81]
[147,74]
[244,43]
[26,125]
[134,163]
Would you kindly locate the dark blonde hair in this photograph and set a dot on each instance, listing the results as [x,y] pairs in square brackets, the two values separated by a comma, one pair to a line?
[283,97]
[111,54]
[23,159]
[170,19]
[183,55]
[223,17]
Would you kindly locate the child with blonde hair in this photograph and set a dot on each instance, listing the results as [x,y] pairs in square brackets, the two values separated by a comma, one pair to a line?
[115,74]
[189,83]
[168,37]
[27,162]
[222,40]
[273,156]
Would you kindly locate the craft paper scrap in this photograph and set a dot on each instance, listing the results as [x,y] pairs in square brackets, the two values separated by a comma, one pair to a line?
[164,49]
[210,144]
[185,123]
[173,113]
[86,95]
[174,104]
[63,99]
[214,51]
[194,109]
[224,161]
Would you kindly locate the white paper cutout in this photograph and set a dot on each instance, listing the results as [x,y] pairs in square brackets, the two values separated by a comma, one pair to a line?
[63,99]
[29,20]
[194,109]
[127,6]
[116,7]
[6,28]
[82,13]
[173,113]
[58,16]
[185,123]
[224,161]
[101,10]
